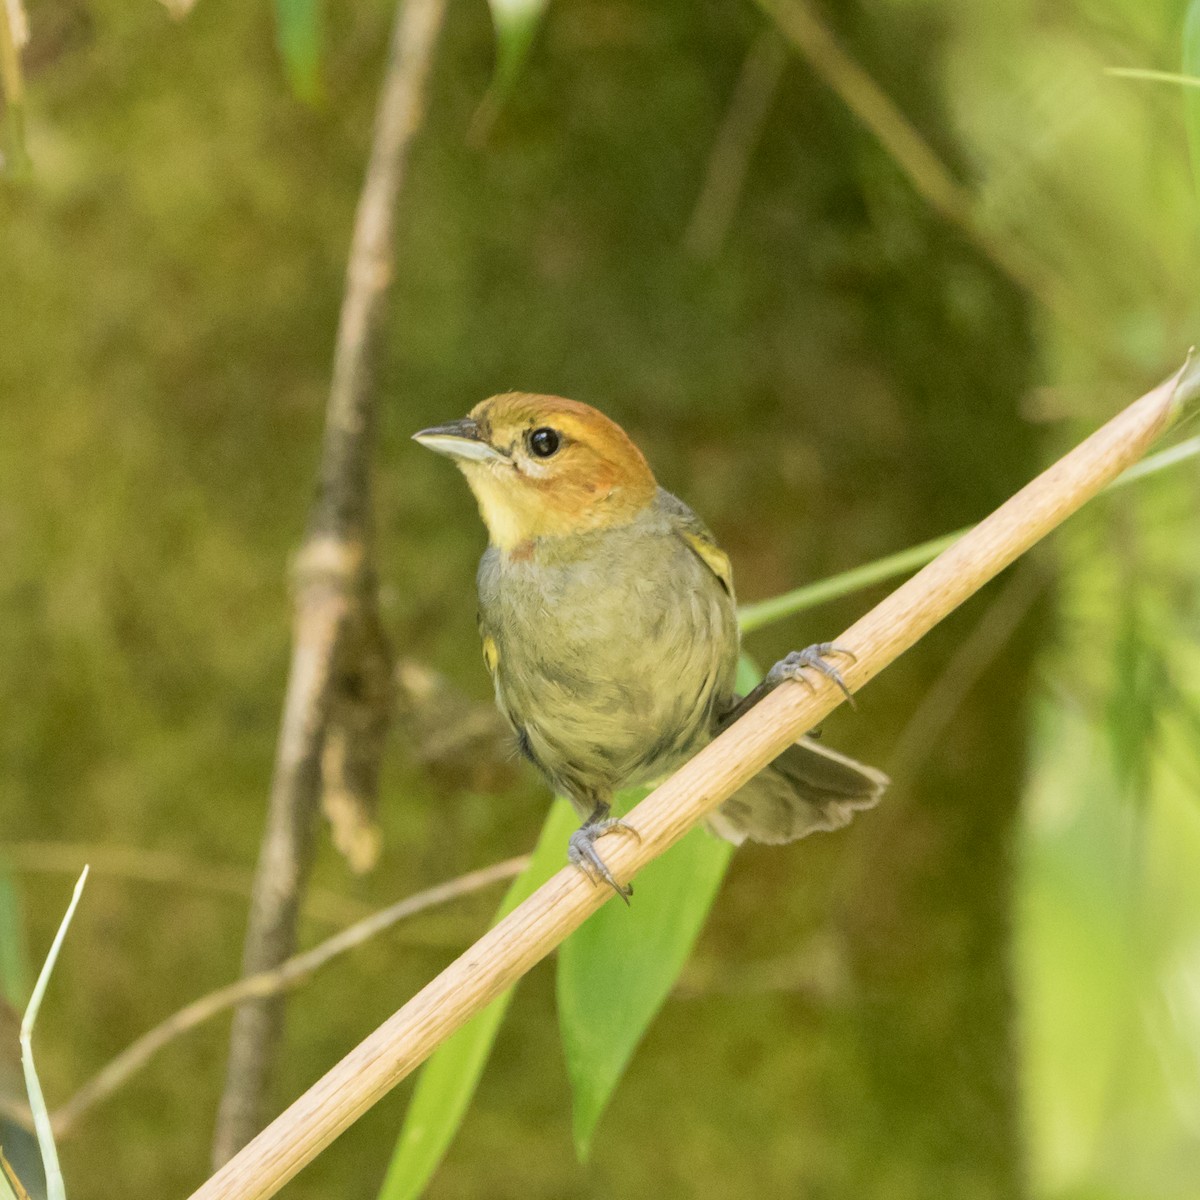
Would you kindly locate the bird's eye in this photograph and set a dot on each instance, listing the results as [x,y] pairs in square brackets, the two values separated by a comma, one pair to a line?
[544,442]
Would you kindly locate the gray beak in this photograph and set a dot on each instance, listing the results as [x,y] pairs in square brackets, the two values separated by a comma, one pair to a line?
[461,440]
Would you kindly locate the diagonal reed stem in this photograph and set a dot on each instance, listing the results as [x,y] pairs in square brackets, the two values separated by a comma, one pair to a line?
[561,905]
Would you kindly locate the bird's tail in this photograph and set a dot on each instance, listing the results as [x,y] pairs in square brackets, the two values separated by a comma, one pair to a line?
[807,789]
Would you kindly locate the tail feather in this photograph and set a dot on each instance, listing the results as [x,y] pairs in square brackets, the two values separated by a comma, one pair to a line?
[807,789]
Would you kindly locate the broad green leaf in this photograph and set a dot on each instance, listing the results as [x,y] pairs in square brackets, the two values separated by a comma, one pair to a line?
[299,34]
[617,969]
[450,1077]
[14,963]
[1191,97]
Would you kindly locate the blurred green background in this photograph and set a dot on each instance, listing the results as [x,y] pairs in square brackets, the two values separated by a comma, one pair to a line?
[987,987]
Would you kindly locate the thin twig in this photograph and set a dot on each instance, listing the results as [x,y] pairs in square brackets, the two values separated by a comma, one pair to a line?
[561,905]
[932,180]
[335,712]
[269,983]
[736,140]
[163,867]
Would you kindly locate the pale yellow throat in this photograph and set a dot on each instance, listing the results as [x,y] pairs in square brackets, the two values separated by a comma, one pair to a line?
[511,515]
[516,511]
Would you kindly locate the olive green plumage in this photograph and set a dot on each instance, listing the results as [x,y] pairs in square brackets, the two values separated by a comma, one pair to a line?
[608,622]
[615,656]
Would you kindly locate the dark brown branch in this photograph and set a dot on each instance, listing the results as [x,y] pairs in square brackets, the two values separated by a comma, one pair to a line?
[335,711]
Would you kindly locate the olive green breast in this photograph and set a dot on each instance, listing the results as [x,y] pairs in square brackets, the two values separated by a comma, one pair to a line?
[610,650]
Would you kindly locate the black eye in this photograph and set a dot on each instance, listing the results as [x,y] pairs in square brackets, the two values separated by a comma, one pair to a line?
[544,442]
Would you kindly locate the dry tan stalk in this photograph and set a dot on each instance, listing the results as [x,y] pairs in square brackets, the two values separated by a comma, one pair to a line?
[286,976]
[538,925]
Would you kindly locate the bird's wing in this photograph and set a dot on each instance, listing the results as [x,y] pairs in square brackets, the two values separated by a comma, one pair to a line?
[699,540]
[487,584]
[491,652]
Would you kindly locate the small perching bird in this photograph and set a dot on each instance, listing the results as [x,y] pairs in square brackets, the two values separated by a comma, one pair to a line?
[607,615]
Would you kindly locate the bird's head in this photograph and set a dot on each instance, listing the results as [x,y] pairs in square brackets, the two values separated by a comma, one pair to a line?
[542,466]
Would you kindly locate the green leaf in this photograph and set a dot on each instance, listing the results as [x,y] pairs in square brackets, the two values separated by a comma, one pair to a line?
[1191,98]
[615,971]
[299,34]
[450,1077]
[14,962]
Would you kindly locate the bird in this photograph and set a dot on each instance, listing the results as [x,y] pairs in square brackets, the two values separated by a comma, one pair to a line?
[609,628]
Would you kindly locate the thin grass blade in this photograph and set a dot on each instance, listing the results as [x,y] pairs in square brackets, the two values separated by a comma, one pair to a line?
[55,1189]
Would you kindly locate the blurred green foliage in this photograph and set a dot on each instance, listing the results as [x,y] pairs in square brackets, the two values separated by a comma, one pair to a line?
[14,968]
[848,377]
[300,34]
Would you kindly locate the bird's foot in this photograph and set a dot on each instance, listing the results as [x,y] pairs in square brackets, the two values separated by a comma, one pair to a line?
[811,658]
[581,849]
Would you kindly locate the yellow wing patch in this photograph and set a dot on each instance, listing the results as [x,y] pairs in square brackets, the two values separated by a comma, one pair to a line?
[713,557]
[491,655]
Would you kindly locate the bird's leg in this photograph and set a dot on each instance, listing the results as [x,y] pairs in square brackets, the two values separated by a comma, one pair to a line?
[794,666]
[581,849]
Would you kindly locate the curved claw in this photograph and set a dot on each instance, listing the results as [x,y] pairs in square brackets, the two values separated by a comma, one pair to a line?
[581,850]
[796,663]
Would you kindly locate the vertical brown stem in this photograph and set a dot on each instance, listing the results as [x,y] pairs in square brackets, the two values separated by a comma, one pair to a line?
[335,692]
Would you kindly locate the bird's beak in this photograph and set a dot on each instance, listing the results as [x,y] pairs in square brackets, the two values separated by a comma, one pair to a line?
[461,440]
